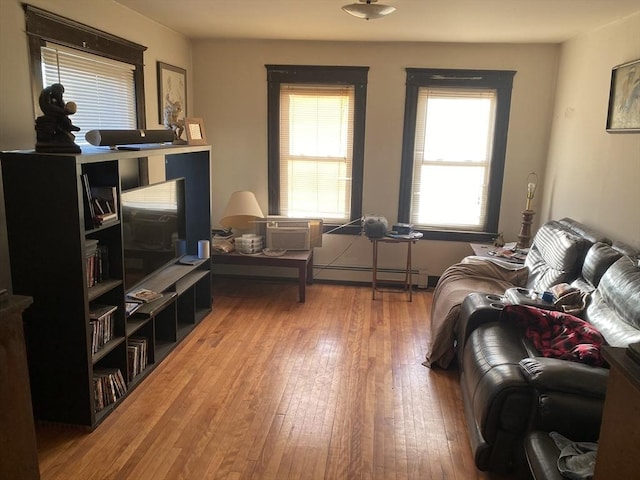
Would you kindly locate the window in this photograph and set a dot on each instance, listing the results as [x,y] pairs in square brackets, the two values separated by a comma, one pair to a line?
[453,151]
[104,89]
[102,73]
[316,141]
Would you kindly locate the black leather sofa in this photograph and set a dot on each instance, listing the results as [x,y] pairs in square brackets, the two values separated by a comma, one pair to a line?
[508,388]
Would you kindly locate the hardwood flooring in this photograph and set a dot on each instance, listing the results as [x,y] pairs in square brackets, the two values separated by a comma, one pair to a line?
[268,388]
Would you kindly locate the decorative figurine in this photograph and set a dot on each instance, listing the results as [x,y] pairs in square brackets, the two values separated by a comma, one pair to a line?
[53,129]
[171,121]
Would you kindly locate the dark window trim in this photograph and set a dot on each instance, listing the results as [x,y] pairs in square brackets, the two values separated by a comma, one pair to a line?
[43,26]
[502,81]
[341,75]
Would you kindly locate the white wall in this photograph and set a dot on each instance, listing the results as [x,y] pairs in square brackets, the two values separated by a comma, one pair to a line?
[231,91]
[594,176]
[591,175]
[17,119]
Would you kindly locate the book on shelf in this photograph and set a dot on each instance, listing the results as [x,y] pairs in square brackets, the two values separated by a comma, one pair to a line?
[101,219]
[106,198]
[87,191]
[102,322]
[108,386]
[131,307]
[137,355]
[143,295]
[102,202]
[96,262]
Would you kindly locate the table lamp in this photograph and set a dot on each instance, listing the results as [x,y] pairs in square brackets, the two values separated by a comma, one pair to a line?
[524,237]
[241,210]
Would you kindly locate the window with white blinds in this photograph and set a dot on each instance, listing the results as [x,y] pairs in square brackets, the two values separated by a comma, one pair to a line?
[316,150]
[452,157]
[103,89]
[453,151]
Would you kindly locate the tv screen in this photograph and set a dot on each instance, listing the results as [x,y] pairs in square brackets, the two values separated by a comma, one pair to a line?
[153,223]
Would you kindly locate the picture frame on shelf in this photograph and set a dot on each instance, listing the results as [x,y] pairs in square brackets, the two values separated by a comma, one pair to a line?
[624,99]
[195,131]
[172,92]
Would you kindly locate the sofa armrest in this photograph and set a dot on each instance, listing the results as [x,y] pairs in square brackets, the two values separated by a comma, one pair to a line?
[570,396]
[553,374]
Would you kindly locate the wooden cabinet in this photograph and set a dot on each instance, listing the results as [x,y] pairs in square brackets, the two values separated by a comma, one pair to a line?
[620,431]
[19,458]
[51,235]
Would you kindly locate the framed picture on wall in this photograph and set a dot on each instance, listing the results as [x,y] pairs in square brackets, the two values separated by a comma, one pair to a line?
[172,94]
[624,99]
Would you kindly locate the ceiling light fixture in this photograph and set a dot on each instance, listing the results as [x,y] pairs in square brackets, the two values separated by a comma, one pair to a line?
[368,9]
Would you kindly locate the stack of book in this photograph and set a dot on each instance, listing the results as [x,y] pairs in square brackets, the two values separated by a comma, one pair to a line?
[108,387]
[102,202]
[143,295]
[105,201]
[96,262]
[102,326]
[137,355]
[92,262]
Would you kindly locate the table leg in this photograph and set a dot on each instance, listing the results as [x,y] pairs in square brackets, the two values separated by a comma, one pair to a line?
[310,269]
[375,268]
[302,282]
[409,270]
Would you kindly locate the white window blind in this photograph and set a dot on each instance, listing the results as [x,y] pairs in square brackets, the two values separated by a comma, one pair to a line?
[316,150]
[452,157]
[103,89]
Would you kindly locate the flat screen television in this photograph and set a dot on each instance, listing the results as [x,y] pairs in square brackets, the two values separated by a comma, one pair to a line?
[153,224]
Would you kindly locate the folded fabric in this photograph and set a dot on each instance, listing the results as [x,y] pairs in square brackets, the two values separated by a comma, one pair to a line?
[570,299]
[557,334]
[577,460]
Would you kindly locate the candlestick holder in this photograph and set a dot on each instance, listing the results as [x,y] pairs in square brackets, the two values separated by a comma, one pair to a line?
[524,237]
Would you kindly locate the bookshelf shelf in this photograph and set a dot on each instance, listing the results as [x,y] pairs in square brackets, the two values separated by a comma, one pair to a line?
[106,349]
[102,288]
[82,270]
[135,323]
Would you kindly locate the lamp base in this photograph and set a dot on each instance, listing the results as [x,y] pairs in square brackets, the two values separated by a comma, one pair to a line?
[524,237]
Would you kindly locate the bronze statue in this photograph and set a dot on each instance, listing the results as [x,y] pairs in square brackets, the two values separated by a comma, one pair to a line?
[53,129]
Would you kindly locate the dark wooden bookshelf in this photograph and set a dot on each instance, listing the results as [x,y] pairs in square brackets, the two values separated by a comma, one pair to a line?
[49,226]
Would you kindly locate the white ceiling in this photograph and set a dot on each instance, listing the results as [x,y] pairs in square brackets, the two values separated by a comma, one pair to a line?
[518,21]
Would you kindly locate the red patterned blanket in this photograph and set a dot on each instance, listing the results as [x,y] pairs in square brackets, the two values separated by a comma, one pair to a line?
[557,334]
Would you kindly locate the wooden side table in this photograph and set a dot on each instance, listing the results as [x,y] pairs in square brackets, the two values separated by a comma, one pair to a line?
[620,429]
[18,451]
[300,259]
[406,283]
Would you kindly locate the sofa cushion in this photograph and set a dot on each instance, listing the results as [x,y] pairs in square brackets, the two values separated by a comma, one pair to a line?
[615,305]
[598,259]
[582,230]
[555,257]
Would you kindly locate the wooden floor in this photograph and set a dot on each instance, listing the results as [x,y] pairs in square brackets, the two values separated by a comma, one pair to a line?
[268,388]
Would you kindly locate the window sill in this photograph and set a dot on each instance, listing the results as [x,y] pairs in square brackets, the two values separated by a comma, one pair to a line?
[441,235]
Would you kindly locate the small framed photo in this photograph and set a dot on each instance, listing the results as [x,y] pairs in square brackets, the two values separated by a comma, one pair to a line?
[172,94]
[195,131]
[624,99]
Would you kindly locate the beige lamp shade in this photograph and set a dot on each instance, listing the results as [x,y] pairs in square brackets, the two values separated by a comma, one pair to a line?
[241,209]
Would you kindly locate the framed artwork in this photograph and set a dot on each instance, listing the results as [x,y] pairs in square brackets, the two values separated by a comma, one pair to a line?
[172,94]
[195,131]
[624,99]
